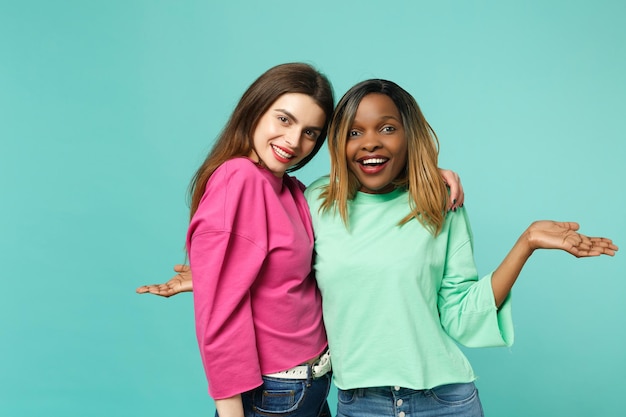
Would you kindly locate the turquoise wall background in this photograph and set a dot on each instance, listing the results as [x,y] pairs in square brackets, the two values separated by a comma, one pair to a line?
[108,107]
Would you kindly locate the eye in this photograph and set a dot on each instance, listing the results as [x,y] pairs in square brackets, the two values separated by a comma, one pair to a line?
[311,134]
[353,133]
[388,129]
[283,119]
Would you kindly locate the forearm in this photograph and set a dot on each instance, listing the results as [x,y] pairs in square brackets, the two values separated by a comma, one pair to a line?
[230,407]
[504,277]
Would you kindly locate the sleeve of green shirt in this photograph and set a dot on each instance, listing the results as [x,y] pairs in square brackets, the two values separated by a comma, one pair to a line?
[466,303]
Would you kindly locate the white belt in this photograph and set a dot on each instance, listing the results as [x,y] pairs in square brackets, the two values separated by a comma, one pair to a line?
[319,368]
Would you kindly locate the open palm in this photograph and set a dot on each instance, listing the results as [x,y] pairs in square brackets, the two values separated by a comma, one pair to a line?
[181,282]
[547,234]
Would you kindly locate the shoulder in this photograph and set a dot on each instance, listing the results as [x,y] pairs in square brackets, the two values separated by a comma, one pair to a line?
[236,172]
[458,216]
[457,227]
[236,185]
[241,166]
[316,187]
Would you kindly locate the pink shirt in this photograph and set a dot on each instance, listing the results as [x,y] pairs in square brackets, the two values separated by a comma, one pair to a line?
[257,306]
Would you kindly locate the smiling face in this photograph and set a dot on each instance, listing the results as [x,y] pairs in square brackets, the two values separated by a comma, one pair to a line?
[376,149]
[287,132]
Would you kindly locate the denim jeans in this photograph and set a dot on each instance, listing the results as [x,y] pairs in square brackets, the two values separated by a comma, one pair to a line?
[444,400]
[288,398]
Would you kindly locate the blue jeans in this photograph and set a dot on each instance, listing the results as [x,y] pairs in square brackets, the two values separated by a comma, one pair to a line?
[444,400]
[288,398]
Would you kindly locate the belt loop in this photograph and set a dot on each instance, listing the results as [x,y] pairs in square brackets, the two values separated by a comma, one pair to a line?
[309,375]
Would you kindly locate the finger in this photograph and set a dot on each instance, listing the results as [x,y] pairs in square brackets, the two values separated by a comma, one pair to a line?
[161,291]
[146,289]
[569,225]
[604,248]
[583,252]
[591,252]
[444,175]
[454,195]
[154,289]
[574,238]
[584,247]
[597,241]
[600,246]
[604,242]
[181,268]
[461,198]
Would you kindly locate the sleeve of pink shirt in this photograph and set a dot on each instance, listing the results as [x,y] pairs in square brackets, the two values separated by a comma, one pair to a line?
[227,247]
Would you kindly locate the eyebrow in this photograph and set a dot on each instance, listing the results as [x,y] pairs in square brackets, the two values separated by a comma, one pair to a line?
[295,119]
[383,118]
[390,117]
[288,113]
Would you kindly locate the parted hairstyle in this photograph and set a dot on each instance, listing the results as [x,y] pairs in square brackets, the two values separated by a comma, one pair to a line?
[428,194]
[236,140]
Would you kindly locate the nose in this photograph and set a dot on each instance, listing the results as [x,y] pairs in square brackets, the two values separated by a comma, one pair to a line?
[293,139]
[370,142]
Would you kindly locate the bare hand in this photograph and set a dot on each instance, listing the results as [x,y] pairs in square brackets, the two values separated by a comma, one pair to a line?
[547,234]
[452,180]
[181,282]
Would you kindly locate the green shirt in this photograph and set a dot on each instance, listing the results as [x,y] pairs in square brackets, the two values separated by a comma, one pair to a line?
[396,298]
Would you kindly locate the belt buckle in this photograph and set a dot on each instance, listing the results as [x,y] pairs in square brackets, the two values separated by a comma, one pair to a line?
[322,366]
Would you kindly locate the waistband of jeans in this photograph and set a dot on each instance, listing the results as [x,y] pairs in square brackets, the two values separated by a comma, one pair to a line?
[317,369]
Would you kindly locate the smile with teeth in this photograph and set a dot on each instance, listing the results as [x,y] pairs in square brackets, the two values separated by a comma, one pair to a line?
[282,153]
[373,161]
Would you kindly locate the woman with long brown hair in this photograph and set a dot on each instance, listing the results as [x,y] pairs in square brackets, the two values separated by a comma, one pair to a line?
[250,244]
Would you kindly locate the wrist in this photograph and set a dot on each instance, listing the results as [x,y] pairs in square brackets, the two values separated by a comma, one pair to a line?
[527,242]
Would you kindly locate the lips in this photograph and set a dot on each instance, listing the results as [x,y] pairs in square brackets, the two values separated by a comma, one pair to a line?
[282,154]
[372,164]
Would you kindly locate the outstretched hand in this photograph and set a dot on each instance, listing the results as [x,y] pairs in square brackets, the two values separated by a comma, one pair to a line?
[181,282]
[546,234]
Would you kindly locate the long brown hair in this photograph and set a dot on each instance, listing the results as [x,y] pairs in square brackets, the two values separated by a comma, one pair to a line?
[426,188]
[236,137]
